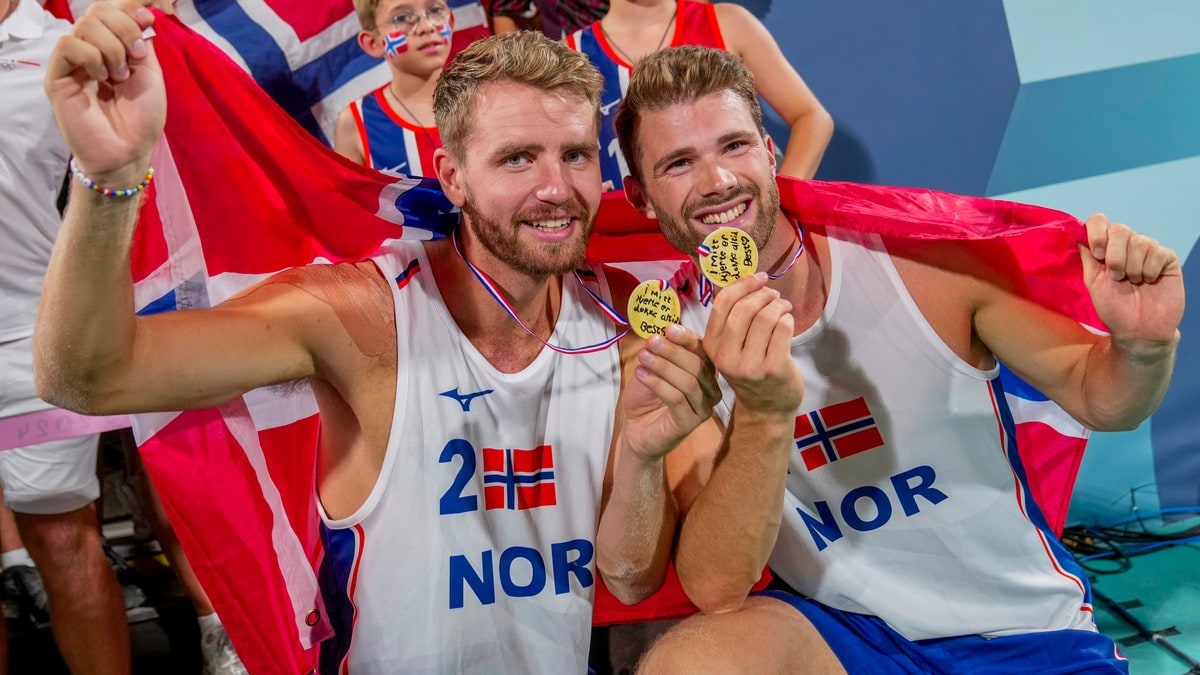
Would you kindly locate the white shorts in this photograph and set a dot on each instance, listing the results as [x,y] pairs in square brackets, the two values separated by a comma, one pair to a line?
[48,478]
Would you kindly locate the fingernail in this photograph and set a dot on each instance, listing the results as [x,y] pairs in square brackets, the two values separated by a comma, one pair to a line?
[138,49]
[1098,252]
[1116,275]
[143,15]
[120,73]
[102,74]
[646,357]
[675,331]
[654,343]
[641,373]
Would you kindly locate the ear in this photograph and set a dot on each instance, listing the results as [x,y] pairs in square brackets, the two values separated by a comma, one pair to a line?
[771,152]
[370,43]
[635,194]
[450,175]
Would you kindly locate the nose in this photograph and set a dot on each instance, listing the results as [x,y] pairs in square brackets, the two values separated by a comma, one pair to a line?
[552,184]
[715,179]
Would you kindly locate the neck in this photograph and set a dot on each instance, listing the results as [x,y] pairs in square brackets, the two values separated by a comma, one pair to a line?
[414,93]
[413,85]
[804,285]
[480,317]
[12,7]
[634,30]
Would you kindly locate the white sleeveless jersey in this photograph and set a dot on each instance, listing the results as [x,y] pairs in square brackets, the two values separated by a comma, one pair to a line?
[474,552]
[905,498]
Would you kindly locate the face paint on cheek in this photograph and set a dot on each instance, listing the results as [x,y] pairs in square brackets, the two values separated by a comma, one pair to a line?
[395,44]
[444,31]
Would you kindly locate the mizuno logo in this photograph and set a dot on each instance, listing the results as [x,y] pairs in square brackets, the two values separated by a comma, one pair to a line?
[464,399]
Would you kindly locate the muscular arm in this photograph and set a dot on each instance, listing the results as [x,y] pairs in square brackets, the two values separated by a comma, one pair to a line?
[91,352]
[782,88]
[667,391]
[1106,382]
[94,355]
[730,529]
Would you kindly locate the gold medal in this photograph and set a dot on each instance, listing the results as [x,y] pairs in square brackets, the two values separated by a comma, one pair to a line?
[653,306]
[727,254]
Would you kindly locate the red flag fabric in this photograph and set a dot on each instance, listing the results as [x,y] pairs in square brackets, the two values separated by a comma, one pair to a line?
[241,191]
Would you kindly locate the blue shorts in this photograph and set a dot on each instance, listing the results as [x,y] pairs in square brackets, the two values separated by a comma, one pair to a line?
[865,644]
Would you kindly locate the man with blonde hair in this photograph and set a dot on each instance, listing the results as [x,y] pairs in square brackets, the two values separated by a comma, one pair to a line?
[466,393]
[907,534]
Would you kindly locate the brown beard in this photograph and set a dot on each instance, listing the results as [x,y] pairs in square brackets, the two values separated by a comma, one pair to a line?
[505,242]
[678,230]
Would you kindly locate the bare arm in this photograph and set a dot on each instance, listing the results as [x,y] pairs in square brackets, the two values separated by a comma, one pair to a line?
[346,139]
[729,531]
[91,352]
[1107,383]
[782,88]
[668,389]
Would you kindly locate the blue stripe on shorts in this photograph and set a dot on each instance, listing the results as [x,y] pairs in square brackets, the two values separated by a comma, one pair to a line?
[865,644]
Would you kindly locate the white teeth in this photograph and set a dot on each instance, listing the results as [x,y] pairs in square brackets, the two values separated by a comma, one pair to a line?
[556,224]
[724,216]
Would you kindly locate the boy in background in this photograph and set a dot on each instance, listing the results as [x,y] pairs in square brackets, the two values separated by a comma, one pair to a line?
[392,129]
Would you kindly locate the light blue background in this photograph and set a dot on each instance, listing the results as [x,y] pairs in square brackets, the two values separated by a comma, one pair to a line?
[1079,105]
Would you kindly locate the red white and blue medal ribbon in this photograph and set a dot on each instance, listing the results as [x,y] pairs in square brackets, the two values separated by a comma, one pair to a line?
[498,296]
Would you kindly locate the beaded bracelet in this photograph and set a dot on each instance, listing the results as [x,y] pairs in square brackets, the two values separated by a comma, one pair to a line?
[107,192]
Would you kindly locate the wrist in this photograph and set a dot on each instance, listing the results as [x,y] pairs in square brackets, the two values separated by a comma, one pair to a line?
[122,181]
[643,458]
[1140,351]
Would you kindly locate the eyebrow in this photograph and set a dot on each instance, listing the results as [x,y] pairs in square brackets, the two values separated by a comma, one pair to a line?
[535,148]
[691,149]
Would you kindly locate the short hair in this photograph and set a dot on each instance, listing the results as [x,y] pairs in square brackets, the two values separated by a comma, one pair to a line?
[680,75]
[365,9]
[524,57]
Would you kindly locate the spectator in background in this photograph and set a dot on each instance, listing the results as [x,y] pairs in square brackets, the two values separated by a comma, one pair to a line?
[557,18]
[392,128]
[634,28]
[50,486]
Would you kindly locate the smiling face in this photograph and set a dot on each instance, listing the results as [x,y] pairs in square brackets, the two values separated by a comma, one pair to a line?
[705,164]
[413,35]
[530,186]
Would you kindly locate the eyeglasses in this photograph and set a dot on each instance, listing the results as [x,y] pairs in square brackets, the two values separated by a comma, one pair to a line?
[406,21]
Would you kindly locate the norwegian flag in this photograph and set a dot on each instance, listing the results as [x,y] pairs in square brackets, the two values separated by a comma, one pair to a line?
[518,479]
[305,54]
[396,43]
[835,432]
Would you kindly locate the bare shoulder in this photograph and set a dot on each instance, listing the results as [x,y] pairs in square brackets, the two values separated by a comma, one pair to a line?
[950,281]
[733,13]
[356,294]
[952,269]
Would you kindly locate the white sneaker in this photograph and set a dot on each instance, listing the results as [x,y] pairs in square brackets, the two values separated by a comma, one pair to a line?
[220,658]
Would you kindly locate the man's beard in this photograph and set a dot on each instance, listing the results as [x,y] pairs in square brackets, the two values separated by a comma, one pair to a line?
[535,260]
[678,229]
